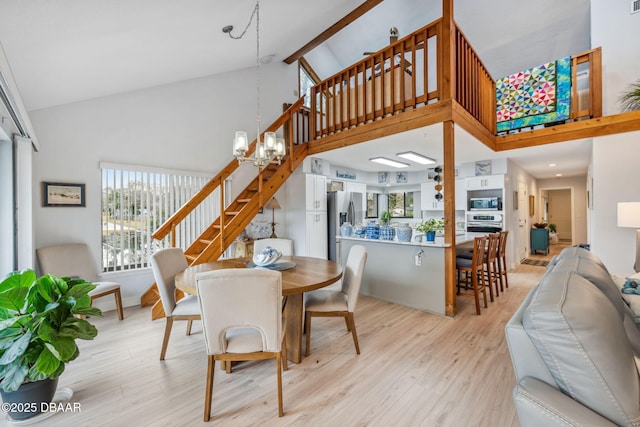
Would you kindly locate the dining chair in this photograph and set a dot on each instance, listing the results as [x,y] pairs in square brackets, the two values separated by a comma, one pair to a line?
[166,263]
[75,260]
[474,278]
[242,320]
[283,245]
[491,264]
[338,303]
[502,260]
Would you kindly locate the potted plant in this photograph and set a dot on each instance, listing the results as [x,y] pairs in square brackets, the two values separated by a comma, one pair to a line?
[631,99]
[386,231]
[553,237]
[38,329]
[429,228]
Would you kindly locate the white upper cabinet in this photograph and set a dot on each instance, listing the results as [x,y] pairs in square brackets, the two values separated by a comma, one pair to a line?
[485,182]
[461,195]
[316,192]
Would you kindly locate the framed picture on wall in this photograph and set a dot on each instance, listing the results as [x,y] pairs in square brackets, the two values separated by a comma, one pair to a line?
[59,194]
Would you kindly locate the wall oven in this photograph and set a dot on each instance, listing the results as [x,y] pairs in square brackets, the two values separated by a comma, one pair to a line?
[484,223]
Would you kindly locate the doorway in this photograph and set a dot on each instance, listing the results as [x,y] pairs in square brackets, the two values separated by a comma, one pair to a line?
[558,210]
[523,216]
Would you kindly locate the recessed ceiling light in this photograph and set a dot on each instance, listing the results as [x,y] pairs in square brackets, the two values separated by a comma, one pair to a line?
[552,165]
[389,162]
[415,157]
[558,174]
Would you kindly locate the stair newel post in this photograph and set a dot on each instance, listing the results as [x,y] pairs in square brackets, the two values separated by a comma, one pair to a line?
[222,225]
[312,115]
[290,127]
[173,235]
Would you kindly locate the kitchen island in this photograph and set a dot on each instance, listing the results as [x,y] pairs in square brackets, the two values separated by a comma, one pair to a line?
[407,273]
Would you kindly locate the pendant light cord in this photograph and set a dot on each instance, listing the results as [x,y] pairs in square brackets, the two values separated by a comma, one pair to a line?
[256,14]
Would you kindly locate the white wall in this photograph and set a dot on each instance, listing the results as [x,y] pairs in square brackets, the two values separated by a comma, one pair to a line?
[614,165]
[187,126]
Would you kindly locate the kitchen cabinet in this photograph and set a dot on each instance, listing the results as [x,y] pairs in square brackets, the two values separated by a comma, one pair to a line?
[428,200]
[315,192]
[316,242]
[306,214]
[485,182]
[461,195]
[540,240]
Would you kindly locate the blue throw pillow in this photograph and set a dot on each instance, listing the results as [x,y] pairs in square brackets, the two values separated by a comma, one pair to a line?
[631,286]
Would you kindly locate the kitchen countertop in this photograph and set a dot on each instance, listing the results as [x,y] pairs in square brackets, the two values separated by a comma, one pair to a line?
[463,237]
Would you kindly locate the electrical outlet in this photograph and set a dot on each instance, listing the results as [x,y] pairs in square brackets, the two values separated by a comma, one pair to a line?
[418,261]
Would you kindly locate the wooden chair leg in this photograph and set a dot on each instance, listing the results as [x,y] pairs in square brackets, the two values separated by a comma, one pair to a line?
[279,375]
[208,390]
[307,329]
[118,297]
[283,350]
[476,296]
[167,333]
[189,323]
[351,321]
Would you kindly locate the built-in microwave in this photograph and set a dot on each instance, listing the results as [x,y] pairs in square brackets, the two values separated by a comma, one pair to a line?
[485,204]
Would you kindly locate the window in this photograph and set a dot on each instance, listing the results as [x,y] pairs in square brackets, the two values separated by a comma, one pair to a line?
[307,79]
[400,204]
[138,200]
[372,205]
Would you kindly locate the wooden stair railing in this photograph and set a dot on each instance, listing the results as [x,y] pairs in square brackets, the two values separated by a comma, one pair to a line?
[216,238]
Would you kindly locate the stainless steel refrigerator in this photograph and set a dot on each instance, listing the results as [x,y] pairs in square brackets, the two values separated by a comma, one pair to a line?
[341,206]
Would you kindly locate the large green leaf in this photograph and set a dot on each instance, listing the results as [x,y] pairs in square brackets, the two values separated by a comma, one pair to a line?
[14,376]
[18,279]
[87,311]
[8,336]
[65,347]
[46,331]
[47,362]
[16,350]
[14,299]
[47,290]
[83,301]
[79,290]
[8,323]
[78,328]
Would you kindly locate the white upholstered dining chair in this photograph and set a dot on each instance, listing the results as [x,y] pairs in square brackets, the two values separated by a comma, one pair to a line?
[75,260]
[242,320]
[338,303]
[166,263]
[283,245]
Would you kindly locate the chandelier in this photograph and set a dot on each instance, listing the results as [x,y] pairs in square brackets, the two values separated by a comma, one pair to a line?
[272,148]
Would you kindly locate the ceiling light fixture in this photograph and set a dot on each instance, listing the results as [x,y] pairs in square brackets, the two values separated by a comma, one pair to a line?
[552,165]
[415,157]
[271,149]
[558,175]
[389,162]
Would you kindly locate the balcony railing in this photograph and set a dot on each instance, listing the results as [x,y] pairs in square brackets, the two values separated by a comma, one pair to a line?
[402,76]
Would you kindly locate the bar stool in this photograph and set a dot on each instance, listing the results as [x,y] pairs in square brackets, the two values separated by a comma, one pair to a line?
[473,273]
[491,264]
[502,261]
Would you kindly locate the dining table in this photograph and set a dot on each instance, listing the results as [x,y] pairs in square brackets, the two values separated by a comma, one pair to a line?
[300,274]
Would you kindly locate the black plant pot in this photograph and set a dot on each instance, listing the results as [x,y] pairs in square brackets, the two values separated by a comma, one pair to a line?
[26,402]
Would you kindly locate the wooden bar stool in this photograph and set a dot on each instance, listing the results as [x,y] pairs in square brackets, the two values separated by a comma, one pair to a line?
[491,264]
[502,261]
[473,273]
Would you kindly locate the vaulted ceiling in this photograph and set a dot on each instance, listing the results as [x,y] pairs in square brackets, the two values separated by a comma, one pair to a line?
[66,51]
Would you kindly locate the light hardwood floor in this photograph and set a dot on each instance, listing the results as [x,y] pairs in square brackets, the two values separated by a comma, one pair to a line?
[416,369]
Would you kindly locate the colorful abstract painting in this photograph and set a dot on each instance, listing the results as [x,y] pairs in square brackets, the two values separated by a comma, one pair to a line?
[535,96]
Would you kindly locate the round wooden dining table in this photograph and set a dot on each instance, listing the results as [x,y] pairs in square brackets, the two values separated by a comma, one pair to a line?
[307,275]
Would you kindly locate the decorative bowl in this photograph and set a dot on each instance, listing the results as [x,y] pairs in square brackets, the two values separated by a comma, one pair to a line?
[267,256]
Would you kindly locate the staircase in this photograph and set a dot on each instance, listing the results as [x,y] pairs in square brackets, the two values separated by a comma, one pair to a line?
[214,240]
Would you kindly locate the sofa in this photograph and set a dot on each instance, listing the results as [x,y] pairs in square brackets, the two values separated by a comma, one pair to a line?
[575,346]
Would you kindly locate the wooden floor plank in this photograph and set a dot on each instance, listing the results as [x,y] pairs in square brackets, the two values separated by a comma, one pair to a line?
[415,368]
